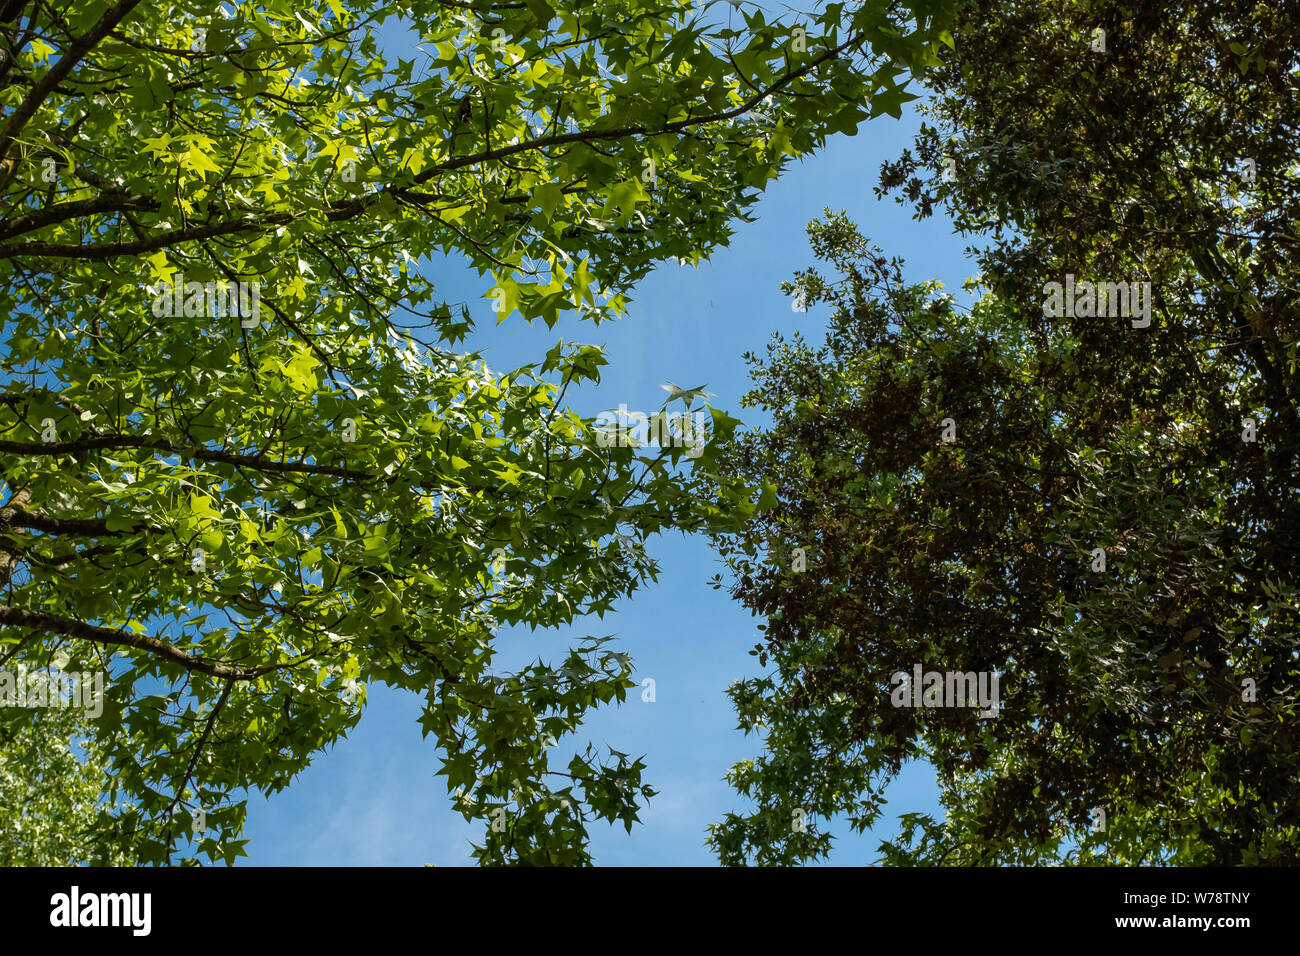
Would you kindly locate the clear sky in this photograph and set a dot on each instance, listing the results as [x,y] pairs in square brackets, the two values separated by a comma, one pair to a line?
[374,799]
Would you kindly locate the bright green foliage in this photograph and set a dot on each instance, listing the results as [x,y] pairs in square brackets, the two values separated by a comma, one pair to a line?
[246,516]
[51,782]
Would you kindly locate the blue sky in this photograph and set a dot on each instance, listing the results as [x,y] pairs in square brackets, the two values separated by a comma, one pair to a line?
[374,800]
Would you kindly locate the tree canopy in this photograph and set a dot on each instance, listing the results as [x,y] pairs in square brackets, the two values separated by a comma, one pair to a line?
[1097,504]
[51,787]
[245,472]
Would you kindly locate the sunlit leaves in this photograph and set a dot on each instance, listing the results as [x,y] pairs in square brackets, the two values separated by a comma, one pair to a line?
[277,511]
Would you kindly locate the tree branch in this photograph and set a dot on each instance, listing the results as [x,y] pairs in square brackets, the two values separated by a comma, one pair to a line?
[54,624]
[254,462]
[45,86]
